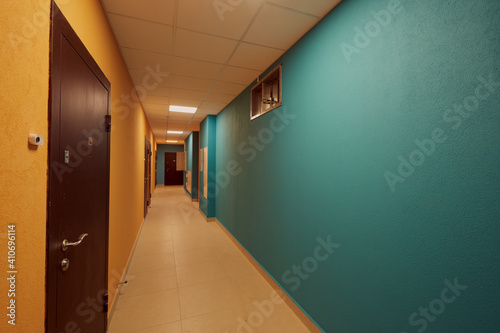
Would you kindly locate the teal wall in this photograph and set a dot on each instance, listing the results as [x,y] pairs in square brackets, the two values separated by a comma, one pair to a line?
[191,147]
[332,165]
[160,163]
[207,139]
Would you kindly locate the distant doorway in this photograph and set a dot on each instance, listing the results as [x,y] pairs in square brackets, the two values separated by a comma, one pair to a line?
[172,176]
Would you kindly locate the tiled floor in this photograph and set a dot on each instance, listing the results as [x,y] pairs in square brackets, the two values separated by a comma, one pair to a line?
[186,276]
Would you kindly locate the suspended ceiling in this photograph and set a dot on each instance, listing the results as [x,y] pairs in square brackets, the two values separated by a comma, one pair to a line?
[203,53]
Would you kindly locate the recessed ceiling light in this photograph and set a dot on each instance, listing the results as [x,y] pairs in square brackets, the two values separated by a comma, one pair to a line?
[185,109]
[171,141]
[175,132]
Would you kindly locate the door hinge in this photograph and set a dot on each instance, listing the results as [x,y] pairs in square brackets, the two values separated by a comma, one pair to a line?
[105,303]
[108,123]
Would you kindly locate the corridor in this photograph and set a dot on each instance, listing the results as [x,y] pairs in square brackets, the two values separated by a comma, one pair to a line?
[186,276]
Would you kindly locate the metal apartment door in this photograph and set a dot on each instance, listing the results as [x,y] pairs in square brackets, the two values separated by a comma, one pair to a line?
[147,176]
[78,187]
[172,176]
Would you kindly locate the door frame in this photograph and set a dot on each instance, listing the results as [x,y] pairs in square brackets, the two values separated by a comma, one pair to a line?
[60,26]
[147,176]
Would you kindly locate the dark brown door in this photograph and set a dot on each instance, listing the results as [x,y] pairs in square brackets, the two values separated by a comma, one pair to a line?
[78,187]
[147,176]
[172,176]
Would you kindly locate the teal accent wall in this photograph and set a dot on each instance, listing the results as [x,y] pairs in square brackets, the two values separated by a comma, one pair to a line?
[191,147]
[207,139]
[160,163]
[373,194]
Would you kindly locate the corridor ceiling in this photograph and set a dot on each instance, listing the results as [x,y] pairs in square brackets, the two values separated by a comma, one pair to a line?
[211,49]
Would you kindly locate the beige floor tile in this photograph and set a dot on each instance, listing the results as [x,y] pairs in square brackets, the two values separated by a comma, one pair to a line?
[145,247]
[199,273]
[149,282]
[223,321]
[167,328]
[149,310]
[252,287]
[235,265]
[208,297]
[186,276]
[282,319]
[196,256]
[151,263]
[156,234]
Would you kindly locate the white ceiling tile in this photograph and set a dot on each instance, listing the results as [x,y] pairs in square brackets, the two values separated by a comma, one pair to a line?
[179,123]
[213,106]
[200,46]
[279,28]
[186,82]
[196,68]
[219,17]
[317,7]
[187,94]
[147,81]
[221,98]
[143,60]
[155,107]
[238,75]
[161,11]
[158,91]
[207,34]
[254,56]
[143,35]
[227,88]
[156,100]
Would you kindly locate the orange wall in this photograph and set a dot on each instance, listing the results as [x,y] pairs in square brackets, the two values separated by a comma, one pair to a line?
[24,79]
[23,172]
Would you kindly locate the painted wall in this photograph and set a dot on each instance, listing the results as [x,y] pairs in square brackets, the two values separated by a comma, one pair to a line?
[372,194]
[207,139]
[24,82]
[162,149]
[191,147]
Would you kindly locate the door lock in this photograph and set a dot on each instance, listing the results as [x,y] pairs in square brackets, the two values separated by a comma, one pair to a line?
[65,264]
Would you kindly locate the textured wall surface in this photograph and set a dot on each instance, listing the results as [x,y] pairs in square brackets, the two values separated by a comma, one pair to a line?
[207,139]
[372,194]
[24,82]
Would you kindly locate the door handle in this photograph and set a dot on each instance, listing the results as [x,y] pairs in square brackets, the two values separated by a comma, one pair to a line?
[65,242]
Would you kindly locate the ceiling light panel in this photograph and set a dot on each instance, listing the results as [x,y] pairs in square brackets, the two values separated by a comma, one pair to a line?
[183,109]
